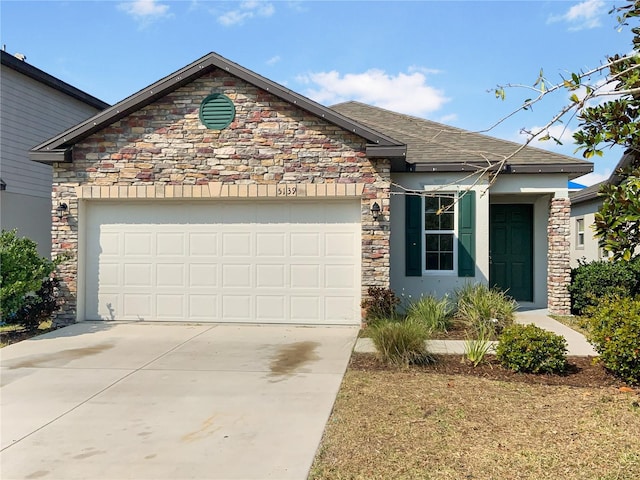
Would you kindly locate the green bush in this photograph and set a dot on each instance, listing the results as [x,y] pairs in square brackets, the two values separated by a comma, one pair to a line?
[614,331]
[401,342]
[434,313]
[380,303]
[481,308]
[530,349]
[22,272]
[593,281]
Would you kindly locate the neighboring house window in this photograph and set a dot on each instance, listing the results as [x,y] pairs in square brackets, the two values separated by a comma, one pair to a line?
[439,232]
[580,232]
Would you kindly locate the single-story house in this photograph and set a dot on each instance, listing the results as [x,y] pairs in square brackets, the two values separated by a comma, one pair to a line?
[35,106]
[585,203]
[216,194]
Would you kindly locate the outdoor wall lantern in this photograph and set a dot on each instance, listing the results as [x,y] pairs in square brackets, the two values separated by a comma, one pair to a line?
[62,209]
[375,210]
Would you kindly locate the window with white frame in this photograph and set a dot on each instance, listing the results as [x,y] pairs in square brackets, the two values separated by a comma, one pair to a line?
[439,232]
[580,232]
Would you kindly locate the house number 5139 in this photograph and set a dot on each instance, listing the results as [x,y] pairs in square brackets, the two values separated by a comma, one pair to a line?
[287,190]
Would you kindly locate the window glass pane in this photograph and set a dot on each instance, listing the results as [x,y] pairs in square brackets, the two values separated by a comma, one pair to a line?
[431,204]
[432,243]
[432,261]
[446,221]
[431,222]
[446,243]
[446,261]
[447,202]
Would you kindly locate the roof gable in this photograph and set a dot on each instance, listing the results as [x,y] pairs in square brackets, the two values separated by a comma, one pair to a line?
[434,147]
[57,149]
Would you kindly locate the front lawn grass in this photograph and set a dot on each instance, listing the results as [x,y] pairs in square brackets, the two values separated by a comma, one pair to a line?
[428,422]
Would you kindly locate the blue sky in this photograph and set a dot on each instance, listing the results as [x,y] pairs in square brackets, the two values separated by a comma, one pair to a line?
[432,59]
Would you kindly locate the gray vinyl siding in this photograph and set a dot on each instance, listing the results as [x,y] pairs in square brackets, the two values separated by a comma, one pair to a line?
[32,113]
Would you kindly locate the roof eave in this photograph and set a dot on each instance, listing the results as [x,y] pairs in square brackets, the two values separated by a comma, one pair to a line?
[573,170]
[61,155]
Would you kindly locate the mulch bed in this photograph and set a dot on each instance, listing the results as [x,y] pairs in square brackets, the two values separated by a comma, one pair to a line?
[581,372]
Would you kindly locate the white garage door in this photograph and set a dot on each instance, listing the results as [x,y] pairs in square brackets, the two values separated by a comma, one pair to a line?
[232,261]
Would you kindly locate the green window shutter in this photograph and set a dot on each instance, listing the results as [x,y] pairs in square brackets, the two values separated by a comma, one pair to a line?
[467,234]
[413,235]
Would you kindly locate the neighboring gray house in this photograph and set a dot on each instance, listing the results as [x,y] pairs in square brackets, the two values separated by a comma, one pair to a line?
[584,204]
[217,195]
[35,106]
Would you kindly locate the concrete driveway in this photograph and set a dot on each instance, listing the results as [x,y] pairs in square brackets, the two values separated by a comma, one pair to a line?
[169,401]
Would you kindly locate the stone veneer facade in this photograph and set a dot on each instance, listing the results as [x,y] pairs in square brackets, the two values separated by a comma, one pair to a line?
[559,268]
[163,151]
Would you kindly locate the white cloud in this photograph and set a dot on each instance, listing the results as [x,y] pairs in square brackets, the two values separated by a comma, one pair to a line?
[405,93]
[448,119]
[584,15]
[273,60]
[246,11]
[560,132]
[145,11]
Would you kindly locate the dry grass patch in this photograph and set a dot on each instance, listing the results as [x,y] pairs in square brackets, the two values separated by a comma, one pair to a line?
[430,423]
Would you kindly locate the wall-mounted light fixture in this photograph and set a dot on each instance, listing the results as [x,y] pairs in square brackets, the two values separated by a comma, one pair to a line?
[375,210]
[62,209]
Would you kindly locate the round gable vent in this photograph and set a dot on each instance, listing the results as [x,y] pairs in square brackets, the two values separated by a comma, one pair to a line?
[217,111]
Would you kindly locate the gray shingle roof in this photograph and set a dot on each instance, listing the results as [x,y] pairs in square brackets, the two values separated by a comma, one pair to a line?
[432,146]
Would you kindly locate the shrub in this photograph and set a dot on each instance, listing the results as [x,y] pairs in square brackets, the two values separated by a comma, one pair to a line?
[530,349]
[434,313]
[380,303]
[481,308]
[593,281]
[40,306]
[614,331]
[401,343]
[22,272]
[475,349]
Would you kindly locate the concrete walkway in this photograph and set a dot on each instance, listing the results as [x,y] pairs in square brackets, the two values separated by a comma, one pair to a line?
[103,400]
[576,343]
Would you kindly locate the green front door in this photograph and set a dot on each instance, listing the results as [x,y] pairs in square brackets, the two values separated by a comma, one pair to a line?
[511,250]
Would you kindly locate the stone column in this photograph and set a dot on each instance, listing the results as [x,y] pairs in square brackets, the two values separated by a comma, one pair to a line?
[559,269]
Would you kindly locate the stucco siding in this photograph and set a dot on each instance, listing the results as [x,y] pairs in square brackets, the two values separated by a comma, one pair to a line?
[536,190]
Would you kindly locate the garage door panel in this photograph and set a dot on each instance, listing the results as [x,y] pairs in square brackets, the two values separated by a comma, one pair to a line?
[271,244]
[203,244]
[203,275]
[138,244]
[137,274]
[305,245]
[305,276]
[237,307]
[339,245]
[270,276]
[169,307]
[170,244]
[236,244]
[203,307]
[170,274]
[305,309]
[137,306]
[252,262]
[339,276]
[270,308]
